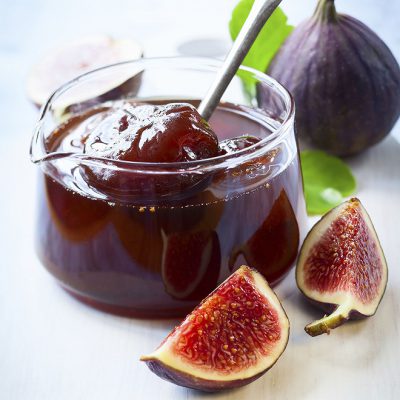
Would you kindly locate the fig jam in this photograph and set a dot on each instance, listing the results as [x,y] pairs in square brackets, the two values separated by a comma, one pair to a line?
[153,241]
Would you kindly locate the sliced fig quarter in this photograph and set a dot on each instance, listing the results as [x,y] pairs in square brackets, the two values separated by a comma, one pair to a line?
[341,267]
[232,338]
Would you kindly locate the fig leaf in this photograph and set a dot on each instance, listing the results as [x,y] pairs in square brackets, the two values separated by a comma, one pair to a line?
[327,181]
[268,42]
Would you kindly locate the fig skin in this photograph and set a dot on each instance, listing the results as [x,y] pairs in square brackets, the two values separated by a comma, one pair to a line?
[344,79]
[187,380]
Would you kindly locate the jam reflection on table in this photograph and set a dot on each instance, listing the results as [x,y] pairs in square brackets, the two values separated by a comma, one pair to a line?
[142,242]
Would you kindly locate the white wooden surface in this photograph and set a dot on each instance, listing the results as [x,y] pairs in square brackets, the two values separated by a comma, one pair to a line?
[54,348]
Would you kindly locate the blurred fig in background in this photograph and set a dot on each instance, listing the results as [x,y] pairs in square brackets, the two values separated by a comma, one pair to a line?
[71,60]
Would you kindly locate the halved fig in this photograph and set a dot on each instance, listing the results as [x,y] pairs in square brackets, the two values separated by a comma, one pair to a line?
[76,58]
[233,337]
[342,267]
[190,264]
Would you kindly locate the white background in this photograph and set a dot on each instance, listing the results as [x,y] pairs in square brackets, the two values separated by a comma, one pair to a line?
[52,347]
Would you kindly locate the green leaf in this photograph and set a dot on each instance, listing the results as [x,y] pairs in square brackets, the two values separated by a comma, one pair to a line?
[268,42]
[327,181]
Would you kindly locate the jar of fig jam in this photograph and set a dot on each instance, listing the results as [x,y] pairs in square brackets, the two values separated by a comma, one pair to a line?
[151,239]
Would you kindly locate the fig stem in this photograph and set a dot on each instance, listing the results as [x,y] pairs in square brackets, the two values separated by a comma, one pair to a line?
[326,11]
[328,322]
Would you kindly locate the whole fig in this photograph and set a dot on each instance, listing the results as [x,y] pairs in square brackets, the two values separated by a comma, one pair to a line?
[345,81]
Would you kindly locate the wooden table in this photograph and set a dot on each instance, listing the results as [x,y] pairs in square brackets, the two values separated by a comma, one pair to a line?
[54,348]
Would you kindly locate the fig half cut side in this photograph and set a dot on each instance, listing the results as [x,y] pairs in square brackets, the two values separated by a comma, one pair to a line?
[233,337]
[80,56]
[341,267]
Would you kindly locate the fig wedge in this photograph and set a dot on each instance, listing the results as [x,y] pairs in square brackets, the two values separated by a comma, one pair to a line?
[233,337]
[341,267]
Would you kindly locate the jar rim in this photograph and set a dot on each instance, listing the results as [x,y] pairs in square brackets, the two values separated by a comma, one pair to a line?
[39,154]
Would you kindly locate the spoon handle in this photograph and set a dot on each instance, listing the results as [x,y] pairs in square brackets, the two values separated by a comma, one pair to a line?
[259,13]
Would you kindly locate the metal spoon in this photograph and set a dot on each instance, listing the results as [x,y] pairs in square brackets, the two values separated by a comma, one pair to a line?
[259,13]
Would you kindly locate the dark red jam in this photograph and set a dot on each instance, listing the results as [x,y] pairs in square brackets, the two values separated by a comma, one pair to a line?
[154,241]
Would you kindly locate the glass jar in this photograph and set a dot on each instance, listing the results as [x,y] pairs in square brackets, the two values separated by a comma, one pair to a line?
[159,237]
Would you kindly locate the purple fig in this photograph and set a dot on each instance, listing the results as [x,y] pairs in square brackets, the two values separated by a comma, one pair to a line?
[345,81]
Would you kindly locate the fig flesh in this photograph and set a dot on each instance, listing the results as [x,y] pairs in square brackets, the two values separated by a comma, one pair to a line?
[342,267]
[233,337]
[344,79]
[78,57]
